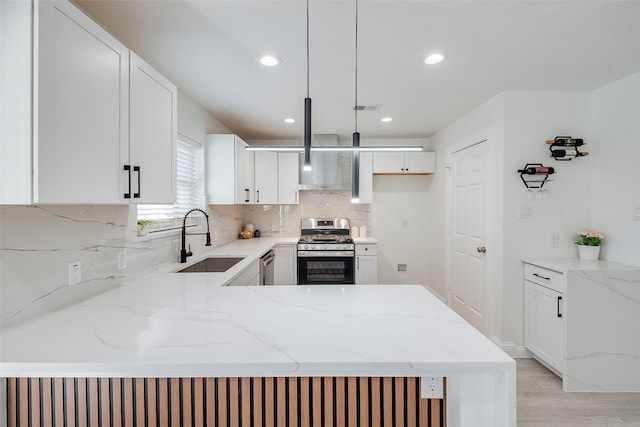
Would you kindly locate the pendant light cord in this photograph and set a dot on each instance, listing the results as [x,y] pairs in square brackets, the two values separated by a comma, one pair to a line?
[307,48]
[356,97]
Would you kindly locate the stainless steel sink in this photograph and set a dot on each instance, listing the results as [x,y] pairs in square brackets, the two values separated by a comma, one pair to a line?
[211,265]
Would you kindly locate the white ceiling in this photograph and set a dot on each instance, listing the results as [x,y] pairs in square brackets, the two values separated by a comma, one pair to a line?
[209,49]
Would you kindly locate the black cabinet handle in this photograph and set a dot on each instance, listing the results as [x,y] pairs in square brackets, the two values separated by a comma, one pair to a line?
[542,277]
[136,195]
[128,169]
[559,303]
[246,200]
[258,196]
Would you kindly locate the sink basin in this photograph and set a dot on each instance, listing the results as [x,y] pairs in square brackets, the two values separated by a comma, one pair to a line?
[211,265]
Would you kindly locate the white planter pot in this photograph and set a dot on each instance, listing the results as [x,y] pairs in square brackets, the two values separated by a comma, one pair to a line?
[590,253]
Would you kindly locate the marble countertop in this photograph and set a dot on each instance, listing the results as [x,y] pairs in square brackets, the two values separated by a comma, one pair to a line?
[562,265]
[183,325]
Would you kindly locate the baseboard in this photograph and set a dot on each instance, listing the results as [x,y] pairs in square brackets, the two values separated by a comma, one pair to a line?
[515,351]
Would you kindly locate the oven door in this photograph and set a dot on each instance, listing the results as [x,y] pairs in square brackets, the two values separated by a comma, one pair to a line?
[326,268]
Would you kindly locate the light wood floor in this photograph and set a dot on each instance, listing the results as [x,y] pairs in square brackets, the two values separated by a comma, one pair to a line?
[542,403]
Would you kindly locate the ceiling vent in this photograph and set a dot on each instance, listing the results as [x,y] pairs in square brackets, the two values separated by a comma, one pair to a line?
[367,107]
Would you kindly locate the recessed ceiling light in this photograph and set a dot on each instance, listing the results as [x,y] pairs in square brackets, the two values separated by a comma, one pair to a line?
[386,119]
[289,120]
[435,58]
[270,60]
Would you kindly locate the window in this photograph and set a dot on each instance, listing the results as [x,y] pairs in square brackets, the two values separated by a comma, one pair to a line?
[189,192]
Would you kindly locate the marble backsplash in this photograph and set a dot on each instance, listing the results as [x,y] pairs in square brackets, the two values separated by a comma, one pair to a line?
[284,220]
[38,242]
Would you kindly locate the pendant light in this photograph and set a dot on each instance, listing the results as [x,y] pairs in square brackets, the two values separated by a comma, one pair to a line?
[355,155]
[307,111]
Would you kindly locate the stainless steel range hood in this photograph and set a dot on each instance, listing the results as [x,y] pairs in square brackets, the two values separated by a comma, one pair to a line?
[330,170]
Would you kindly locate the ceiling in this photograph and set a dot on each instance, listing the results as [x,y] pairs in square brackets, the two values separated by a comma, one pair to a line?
[209,49]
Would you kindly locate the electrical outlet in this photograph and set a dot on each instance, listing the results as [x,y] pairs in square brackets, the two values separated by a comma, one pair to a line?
[636,213]
[75,273]
[402,267]
[431,388]
[525,211]
[555,238]
[122,260]
[215,234]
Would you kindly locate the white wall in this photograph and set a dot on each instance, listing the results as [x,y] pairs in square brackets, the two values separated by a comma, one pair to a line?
[530,119]
[615,177]
[517,125]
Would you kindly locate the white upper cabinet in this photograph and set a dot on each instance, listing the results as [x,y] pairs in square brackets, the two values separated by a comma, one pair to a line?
[229,169]
[266,177]
[153,134]
[81,111]
[288,178]
[77,146]
[410,162]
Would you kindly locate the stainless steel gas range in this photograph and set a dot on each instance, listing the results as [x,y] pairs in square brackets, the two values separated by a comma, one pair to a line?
[326,252]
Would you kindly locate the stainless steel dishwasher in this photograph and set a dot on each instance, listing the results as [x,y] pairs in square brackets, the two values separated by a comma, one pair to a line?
[266,268]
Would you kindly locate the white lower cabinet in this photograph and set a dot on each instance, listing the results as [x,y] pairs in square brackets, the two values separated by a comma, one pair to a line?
[544,321]
[285,270]
[366,264]
[249,276]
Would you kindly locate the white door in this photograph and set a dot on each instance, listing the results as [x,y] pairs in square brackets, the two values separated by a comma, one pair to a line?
[468,235]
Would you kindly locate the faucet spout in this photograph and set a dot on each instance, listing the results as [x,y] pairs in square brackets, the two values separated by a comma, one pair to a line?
[184,254]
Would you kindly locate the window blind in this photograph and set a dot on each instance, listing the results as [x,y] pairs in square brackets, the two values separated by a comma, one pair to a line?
[167,216]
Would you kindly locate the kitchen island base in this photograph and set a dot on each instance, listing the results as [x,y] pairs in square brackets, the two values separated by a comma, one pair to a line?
[258,401]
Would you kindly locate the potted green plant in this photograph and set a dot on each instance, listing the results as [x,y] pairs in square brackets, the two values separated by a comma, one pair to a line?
[143,226]
[589,244]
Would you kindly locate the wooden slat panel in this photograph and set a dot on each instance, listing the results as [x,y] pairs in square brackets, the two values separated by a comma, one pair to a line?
[174,402]
[341,415]
[210,402]
[376,404]
[387,402]
[269,399]
[238,402]
[364,401]
[328,401]
[197,393]
[58,406]
[293,402]
[353,401]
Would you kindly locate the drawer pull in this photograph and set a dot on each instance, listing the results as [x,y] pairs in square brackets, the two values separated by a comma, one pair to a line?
[559,304]
[542,277]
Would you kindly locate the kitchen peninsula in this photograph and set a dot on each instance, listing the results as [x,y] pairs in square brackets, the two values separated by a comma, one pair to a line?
[182,346]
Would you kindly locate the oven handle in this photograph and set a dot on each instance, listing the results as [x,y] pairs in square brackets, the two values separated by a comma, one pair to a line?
[325,254]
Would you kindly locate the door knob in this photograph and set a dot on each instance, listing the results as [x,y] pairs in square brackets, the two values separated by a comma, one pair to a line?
[481,249]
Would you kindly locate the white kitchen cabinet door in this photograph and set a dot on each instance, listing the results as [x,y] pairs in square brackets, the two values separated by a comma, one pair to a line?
[229,170]
[266,177]
[288,178]
[410,162]
[419,162]
[392,162]
[153,135]
[81,123]
[544,331]
[366,177]
[366,264]
[285,269]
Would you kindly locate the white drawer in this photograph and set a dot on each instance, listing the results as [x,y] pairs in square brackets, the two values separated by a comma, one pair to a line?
[366,250]
[545,277]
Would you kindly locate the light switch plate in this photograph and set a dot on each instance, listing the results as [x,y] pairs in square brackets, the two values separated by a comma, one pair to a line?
[525,211]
